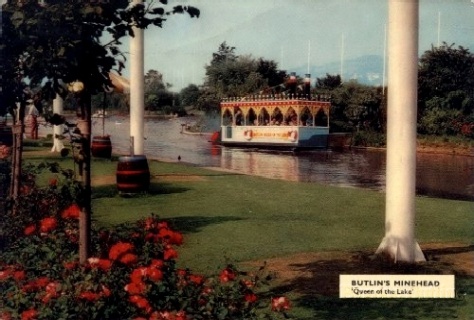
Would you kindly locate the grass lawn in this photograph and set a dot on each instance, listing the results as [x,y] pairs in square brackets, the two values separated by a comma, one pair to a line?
[232,218]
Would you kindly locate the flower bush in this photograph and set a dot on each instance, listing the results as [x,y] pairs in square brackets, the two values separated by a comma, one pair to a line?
[131,274]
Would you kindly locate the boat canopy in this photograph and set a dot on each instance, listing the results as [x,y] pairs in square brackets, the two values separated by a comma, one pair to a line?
[266,110]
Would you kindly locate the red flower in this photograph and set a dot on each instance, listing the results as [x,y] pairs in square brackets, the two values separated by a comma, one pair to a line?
[163,224]
[119,249]
[129,259]
[29,230]
[52,290]
[135,288]
[247,283]
[48,224]
[53,287]
[5,274]
[53,182]
[35,285]
[161,315]
[5,316]
[70,265]
[157,263]
[280,304]
[227,275]
[170,236]
[30,314]
[106,291]
[181,315]
[137,274]
[29,287]
[206,291]
[71,212]
[170,253]
[196,279]
[154,274]
[176,239]
[150,237]
[89,296]
[250,297]
[19,275]
[103,264]
[140,302]
[42,282]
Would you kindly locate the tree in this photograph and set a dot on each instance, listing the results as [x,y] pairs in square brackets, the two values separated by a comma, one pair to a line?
[224,53]
[329,82]
[354,106]
[446,90]
[58,43]
[230,75]
[189,95]
[269,71]
[155,88]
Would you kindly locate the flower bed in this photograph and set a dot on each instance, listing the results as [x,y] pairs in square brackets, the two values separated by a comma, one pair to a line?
[131,273]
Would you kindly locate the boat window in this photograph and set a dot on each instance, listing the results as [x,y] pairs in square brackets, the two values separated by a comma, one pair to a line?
[305,117]
[227,118]
[277,117]
[252,117]
[264,118]
[291,118]
[239,117]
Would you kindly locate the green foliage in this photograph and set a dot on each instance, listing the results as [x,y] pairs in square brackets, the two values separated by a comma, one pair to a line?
[369,139]
[189,95]
[329,82]
[230,75]
[445,69]
[5,171]
[356,107]
[269,71]
[445,91]
[113,101]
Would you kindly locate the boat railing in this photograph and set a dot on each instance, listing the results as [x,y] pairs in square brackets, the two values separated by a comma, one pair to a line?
[280,96]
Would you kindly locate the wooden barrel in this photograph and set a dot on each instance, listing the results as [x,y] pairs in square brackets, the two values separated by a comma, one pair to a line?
[101,147]
[133,174]
[6,136]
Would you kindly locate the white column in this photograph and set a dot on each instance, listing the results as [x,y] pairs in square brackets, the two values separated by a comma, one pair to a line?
[399,241]
[137,89]
[58,104]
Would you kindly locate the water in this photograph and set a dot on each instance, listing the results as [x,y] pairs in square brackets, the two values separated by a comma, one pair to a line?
[444,176]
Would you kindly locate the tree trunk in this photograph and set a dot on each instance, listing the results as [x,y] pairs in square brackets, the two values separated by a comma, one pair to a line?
[84,125]
[17,153]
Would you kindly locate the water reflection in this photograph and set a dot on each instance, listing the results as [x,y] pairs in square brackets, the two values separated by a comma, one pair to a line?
[446,176]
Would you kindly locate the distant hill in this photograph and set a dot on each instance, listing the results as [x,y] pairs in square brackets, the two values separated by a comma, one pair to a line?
[366,70]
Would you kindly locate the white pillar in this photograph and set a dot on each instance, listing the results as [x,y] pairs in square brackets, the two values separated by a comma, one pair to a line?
[399,241]
[137,89]
[58,104]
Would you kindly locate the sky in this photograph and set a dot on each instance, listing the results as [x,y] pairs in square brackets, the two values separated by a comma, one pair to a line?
[291,32]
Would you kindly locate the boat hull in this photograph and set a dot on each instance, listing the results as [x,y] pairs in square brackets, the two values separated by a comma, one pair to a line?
[291,137]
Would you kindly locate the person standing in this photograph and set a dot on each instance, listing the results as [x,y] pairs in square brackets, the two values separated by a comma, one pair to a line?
[32,118]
